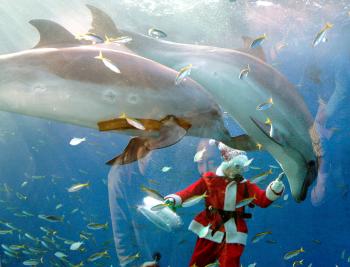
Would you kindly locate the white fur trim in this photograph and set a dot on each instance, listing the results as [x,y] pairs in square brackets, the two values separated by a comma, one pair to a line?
[178,200]
[219,171]
[196,227]
[232,235]
[212,142]
[270,194]
[230,196]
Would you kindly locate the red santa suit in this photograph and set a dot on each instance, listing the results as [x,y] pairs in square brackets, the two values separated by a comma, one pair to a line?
[227,236]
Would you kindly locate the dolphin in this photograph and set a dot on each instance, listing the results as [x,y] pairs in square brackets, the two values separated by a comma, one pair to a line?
[69,85]
[291,138]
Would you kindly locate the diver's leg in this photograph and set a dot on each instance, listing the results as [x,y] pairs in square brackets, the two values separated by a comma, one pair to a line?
[230,255]
[205,252]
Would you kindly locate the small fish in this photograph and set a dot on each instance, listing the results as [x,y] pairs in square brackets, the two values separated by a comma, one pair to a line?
[260,177]
[245,202]
[321,35]
[348,259]
[17,247]
[244,73]
[27,213]
[285,197]
[252,264]
[194,200]
[119,40]
[204,231]
[31,237]
[21,196]
[259,146]
[48,231]
[133,122]
[260,236]
[159,206]
[316,241]
[108,63]
[296,263]
[51,218]
[6,232]
[342,255]
[58,206]
[24,184]
[33,262]
[77,187]
[166,169]
[76,245]
[293,253]
[97,226]
[183,73]
[76,141]
[95,39]
[265,105]
[155,33]
[274,167]
[98,255]
[60,255]
[128,259]
[74,211]
[258,41]
[153,193]
[310,265]
[254,168]
[198,157]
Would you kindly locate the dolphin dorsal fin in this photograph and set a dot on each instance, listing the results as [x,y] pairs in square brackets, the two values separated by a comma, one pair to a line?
[102,24]
[52,34]
[256,52]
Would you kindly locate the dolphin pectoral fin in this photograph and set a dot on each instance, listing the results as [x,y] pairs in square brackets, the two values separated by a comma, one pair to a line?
[256,52]
[102,24]
[266,129]
[243,142]
[52,34]
[135,150]
[171,131]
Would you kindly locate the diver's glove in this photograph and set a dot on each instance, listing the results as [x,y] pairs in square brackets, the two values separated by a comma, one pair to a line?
[171,203]
[275,188]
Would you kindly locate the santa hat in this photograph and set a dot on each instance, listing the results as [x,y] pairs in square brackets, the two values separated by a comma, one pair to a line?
[231,155]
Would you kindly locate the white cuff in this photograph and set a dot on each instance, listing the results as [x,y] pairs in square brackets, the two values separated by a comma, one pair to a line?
[270,194]
[178,200]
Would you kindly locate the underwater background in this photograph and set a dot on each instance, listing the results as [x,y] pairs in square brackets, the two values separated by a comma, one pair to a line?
[38,164]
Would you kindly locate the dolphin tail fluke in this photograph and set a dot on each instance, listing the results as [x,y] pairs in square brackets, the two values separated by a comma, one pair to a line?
[242,142]
[172,130]
[102,24]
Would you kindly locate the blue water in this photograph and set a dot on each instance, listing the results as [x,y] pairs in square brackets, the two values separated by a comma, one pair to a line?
[35,147]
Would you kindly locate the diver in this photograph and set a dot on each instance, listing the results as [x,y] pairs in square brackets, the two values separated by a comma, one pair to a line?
[221,228]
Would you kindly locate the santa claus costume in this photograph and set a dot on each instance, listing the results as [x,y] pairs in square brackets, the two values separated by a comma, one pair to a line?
[221,228]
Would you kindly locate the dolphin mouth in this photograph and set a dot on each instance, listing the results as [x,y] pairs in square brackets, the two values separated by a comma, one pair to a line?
[310,177]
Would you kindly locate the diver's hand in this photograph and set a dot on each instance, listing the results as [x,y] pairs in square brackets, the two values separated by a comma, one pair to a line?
[277,185]
[170,202]
[275,189]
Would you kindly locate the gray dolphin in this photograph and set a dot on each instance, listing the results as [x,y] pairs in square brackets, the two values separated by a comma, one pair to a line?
[70,85]
[291,139]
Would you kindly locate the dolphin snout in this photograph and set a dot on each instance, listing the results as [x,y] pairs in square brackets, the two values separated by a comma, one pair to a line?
[310,177]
